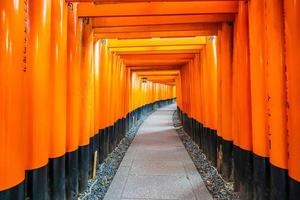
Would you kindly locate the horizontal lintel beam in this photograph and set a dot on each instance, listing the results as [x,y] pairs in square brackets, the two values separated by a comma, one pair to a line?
[160,34]
[160,20]
[158,28]
[156,42]
[156,8]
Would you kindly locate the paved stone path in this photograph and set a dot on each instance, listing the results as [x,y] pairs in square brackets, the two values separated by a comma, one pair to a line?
[157,166]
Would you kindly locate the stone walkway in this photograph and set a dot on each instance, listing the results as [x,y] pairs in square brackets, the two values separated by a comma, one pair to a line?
[157,166]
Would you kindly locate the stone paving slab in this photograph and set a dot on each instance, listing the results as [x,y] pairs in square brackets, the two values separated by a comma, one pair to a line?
[157,166]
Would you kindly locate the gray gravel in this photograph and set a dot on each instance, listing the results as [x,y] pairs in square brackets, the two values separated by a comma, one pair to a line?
[106,171]
[216,185]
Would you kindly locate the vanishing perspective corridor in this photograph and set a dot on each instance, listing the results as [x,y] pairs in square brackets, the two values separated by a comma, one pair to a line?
[78,78]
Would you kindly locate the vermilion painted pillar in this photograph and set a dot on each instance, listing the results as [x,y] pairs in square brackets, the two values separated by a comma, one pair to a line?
[97,116]
[74,26]
[276,83]
[225,75]
[38,100]
[259,99]
[85,116]
[58,91]
[243,101]
[12,70]
[292,49]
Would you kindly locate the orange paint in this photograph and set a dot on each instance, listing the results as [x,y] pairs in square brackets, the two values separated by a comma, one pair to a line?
[226,51]
[86,83]
[276,84]
[155,20]
[73,79]
[157,8]
[58,77]
[258,78]
[242,89]
[292,33]
[12,144]
[38,83]
[97,94]
[211,60]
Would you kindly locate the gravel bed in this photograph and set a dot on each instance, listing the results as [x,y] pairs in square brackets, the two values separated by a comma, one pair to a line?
[106,171]
[216,185]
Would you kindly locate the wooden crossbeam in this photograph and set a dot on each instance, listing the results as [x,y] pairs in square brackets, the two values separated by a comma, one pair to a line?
[158,28]
[160,20]
[159,34]
[157,56]
[157,72]
[127,50]
[156,8]
[130,1]
[156,42]
[193,51]
[153,67]
[156,62]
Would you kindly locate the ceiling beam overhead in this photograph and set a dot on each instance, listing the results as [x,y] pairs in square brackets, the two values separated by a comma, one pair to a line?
[160,20]
[153,67]
[130,1]
[160,77]
[194,51]
[156,8]
[157,56]
[158,28]
[166,82]
[127,50]
[157,72]
[156,62]
[160,34]
[168,79]
[156,42]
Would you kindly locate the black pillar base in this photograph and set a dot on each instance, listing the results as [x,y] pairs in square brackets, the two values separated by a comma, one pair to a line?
[261,177]
[279,183]
[219,154]
[106,142]
[14,193]
[101,145]
[206,141]
[72,175]
[197,141]
[96,146]
[37,184]
[213,147]
[294,190]
[202,137]
[236,155]
[110,139]
[246,174]
[227,160]
[91,155]
[83,167]
[56,178]
[114,137]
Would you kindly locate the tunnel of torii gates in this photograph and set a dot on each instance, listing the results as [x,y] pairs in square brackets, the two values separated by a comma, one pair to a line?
[76,75]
